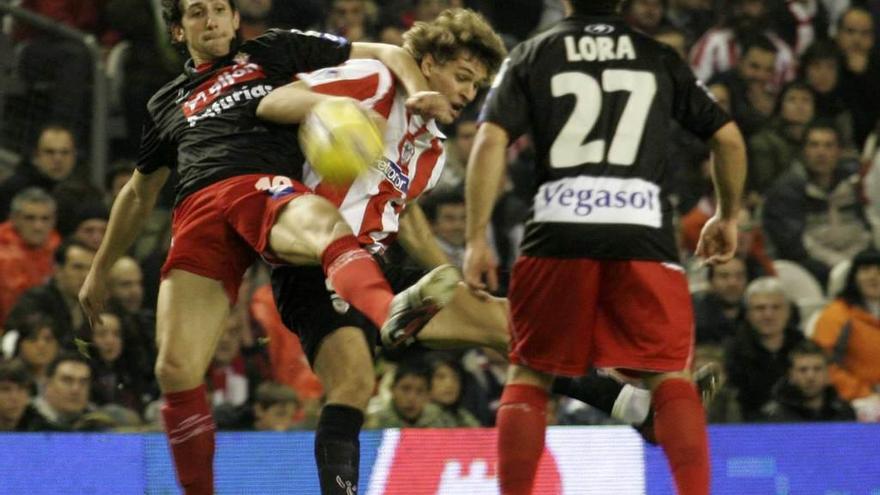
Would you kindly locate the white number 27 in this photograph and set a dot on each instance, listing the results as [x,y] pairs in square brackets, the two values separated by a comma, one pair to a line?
[569,150]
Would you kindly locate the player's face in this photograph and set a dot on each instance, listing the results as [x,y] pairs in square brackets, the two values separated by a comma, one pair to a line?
[729,281]
[459,79]
[768,313]
[34,222]
[208,28]
[809,374]
[55,155]
[757,66]
[797,106]
[868,281]
[108,337]
[821,151]
[822,75]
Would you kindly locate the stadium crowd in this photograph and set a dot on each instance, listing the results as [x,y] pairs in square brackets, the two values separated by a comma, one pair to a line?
[793,321]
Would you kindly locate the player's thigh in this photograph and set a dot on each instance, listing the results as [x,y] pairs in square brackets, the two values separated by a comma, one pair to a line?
[190,319]
[553,313]
[344,364]
[469,320]
[304,227]
[646,318]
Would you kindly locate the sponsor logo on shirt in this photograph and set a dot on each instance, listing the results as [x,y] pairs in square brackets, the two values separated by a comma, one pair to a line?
[605,200]
[212,98]
[394,174]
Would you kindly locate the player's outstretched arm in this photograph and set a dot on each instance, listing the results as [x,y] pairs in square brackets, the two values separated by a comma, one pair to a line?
[290,103]
[417,238]
[130,210]
[717,242]
[485,171]
[429,104]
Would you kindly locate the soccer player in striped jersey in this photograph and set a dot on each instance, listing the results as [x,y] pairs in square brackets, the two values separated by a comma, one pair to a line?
[457,53]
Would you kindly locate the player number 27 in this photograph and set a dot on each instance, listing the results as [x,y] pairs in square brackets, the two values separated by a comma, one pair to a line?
[569,149]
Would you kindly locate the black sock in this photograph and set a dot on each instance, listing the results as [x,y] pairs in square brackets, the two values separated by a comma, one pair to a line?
[338,449]
[597,390]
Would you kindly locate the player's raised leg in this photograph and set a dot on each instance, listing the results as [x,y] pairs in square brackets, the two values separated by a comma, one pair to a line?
[189,322]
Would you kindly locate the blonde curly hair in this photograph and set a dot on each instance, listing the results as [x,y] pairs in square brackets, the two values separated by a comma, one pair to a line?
[454,31]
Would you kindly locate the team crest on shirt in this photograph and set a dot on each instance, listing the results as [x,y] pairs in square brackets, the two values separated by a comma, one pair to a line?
[407,153]
[242,58]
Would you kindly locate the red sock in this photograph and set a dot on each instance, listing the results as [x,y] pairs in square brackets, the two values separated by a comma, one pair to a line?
[190,429]
[522,420]
[356,277]
[680,427]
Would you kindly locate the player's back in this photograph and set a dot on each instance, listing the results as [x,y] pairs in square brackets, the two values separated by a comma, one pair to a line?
[598,99]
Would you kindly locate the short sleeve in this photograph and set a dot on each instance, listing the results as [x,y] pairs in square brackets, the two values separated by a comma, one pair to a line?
[288,52]
[155,152]
[369,81]
[694,106]
[507,103]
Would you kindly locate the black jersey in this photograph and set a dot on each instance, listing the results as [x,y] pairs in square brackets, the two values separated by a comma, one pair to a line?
[204,122]
[598,99]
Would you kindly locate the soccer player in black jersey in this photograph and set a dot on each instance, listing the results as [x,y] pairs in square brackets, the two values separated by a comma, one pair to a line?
[239,198]
[598,283]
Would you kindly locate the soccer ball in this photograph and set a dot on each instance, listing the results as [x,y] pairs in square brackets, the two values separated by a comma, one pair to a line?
[339,140]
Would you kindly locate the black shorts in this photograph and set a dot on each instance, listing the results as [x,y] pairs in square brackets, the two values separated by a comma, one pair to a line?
[312,311]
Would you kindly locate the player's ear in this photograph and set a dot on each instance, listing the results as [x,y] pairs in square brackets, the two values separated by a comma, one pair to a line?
[236,20]
[427,65]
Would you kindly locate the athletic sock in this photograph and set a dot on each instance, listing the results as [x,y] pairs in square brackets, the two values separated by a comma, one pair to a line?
[337,449]
[521,422]
[680,426]
[356,277]
[190,429]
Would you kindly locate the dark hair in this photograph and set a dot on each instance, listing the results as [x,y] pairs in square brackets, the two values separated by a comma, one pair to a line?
[172,14]
[758,42]
[66,357]
[411,368]
[710,269]
[625,5]
[438,359]
[14,371]
[796,85]
[819,50]
[825,125]
[28,327]
[61,252]
[432,202]
[851,293]
[595,6]
[806,348]
[52,126]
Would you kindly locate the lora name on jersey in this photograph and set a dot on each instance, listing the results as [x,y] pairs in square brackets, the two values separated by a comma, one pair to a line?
[394,174]
[599,48]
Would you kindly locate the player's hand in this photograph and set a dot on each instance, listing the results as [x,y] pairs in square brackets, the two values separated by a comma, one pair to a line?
[717,242]
[479,264]
[431,105]
[93,296]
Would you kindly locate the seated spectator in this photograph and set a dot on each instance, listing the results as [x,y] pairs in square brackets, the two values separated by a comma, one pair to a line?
[645,15]
[849,330]
[16,412]
[36,347]
[799,22]
[410,405]
[227,377]
[89,224]
[805,394]
[27,244]
[757,356]
[254,17]
[813,215]
[750,84]
[445,211]
[860,71]
[458,149]
[353,19]
[446,380]
[118,370]
[720,48]
[719,311]
[276,408]
[52,161]
[820,68]
[65,400]
[58,298]
[773,149]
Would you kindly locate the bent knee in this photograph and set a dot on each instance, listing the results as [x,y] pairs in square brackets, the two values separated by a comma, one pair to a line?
[354,389]
[174,373]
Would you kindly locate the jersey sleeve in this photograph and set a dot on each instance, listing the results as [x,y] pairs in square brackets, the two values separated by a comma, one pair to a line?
[507,103]
[155,152]
[369,81]
[288,52]
[694,107]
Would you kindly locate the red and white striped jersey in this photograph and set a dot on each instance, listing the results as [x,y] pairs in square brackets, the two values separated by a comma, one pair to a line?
[718,50]
[414,153]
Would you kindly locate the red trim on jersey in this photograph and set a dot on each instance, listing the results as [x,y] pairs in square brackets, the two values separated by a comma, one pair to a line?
[425,167]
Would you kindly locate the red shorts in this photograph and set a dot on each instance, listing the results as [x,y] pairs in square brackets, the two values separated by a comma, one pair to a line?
[572,314]
[219,231]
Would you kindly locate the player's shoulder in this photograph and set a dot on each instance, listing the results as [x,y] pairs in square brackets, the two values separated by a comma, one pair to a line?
[167,93]
[366,67]
[275,35]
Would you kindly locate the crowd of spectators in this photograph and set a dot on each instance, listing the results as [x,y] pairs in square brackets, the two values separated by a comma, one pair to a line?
[793,320]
